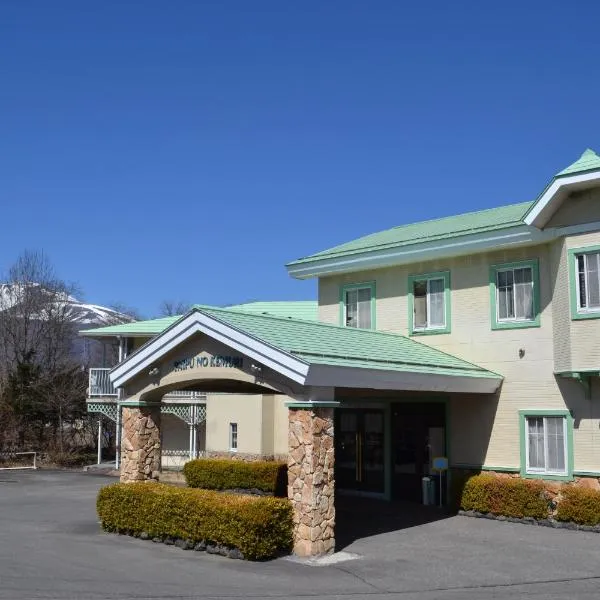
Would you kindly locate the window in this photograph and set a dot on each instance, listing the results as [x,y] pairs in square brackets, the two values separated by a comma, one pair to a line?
[429,303]
[588,281]
[514,290]
[357,306]
[546,444]
[584,282]
[233,436]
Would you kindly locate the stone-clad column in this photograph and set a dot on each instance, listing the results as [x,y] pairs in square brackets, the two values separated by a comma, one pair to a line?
[140,446]
[311,479]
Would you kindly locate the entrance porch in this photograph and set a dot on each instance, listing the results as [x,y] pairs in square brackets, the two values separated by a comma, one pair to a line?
[377,401]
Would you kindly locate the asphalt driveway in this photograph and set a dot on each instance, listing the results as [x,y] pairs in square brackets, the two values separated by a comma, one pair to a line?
[51,547]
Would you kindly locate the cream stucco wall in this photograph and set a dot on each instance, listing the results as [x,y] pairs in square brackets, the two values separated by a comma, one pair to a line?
[485,429]
[243,409]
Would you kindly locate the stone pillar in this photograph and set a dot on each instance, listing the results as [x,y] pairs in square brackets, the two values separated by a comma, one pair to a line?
[311,479]
[140,446]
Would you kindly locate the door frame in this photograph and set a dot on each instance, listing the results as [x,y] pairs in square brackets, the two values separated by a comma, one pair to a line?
[385,410]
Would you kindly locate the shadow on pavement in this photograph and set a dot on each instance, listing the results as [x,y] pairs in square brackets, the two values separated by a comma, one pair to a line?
[358,517]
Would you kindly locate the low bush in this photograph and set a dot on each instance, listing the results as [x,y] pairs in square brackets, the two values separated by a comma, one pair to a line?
[223,474]
[508,496]
[579,505]
[260,528]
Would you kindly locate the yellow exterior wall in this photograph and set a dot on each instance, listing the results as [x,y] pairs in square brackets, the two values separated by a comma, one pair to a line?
[485,430]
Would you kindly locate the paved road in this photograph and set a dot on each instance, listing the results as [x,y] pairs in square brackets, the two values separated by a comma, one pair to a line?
[51,547]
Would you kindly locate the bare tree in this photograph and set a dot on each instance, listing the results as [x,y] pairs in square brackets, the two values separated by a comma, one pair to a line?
[171,308]
[36,346]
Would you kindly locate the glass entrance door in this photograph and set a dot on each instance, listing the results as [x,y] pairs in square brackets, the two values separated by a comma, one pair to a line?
[359,450]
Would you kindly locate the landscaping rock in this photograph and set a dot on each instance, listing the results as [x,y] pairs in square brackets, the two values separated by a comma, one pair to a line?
[236,554]
[144,535]
[157,540]
[169,541]
[183,544]
[222,550]
[200,546]
[212,549]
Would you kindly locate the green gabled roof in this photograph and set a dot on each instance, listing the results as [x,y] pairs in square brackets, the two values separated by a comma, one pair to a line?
[321,343]
[416,233]
[588,161]
[301,309]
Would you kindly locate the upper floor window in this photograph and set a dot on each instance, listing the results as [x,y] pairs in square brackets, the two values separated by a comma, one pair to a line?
[588,281]
[584,280]
[546,443]
[429,303]
[514,290]
[357,305]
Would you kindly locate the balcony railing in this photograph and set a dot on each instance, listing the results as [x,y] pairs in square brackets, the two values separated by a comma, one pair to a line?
[100,384]
[185,394]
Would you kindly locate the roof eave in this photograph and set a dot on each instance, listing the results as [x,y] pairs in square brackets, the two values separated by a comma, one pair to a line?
[514,235]
[555,193]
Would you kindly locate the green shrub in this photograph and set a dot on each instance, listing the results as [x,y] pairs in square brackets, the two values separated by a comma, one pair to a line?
[260,528]
[508,496]
[223,474]
[579,505]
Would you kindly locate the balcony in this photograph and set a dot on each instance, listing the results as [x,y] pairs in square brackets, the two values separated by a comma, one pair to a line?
[100,384]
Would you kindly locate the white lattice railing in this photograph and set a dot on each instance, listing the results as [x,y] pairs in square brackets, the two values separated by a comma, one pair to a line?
[185,394]
[100,384]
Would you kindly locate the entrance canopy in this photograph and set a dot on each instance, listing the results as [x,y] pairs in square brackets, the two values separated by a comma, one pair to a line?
[256,351]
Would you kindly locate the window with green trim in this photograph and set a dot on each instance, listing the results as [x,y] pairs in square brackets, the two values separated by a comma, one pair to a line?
[588,281]
[514,290]
[429,303]
[546,444]
[546,449]
[357,306]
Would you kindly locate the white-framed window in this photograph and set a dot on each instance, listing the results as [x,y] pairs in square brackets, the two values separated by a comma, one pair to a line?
[233,436]
[357,305]
[515,300]
[588,281]
[546,445]
[429,305]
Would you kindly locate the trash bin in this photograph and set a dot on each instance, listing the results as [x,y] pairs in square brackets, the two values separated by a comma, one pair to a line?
[428,491]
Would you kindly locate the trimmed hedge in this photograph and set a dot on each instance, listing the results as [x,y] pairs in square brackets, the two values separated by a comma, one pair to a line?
[508,496]
[260,528]
[224,474]
[579,505]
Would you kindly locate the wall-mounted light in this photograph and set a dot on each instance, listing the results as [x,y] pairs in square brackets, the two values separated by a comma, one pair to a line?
[255,368]
[153,372]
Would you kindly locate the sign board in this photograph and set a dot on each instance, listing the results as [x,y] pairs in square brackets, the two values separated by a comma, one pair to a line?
[198,362]
[440,463]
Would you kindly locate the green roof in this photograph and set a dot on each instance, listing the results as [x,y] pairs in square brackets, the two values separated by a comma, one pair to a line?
[302,309]
[321,343]
[588,161]
[415,233]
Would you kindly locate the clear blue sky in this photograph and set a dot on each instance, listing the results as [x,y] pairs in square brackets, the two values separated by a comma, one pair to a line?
[189,149]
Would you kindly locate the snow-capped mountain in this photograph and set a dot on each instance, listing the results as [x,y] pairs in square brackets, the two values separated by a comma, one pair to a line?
[82,314]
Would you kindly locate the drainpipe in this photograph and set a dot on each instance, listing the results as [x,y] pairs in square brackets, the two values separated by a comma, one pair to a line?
[99,440]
